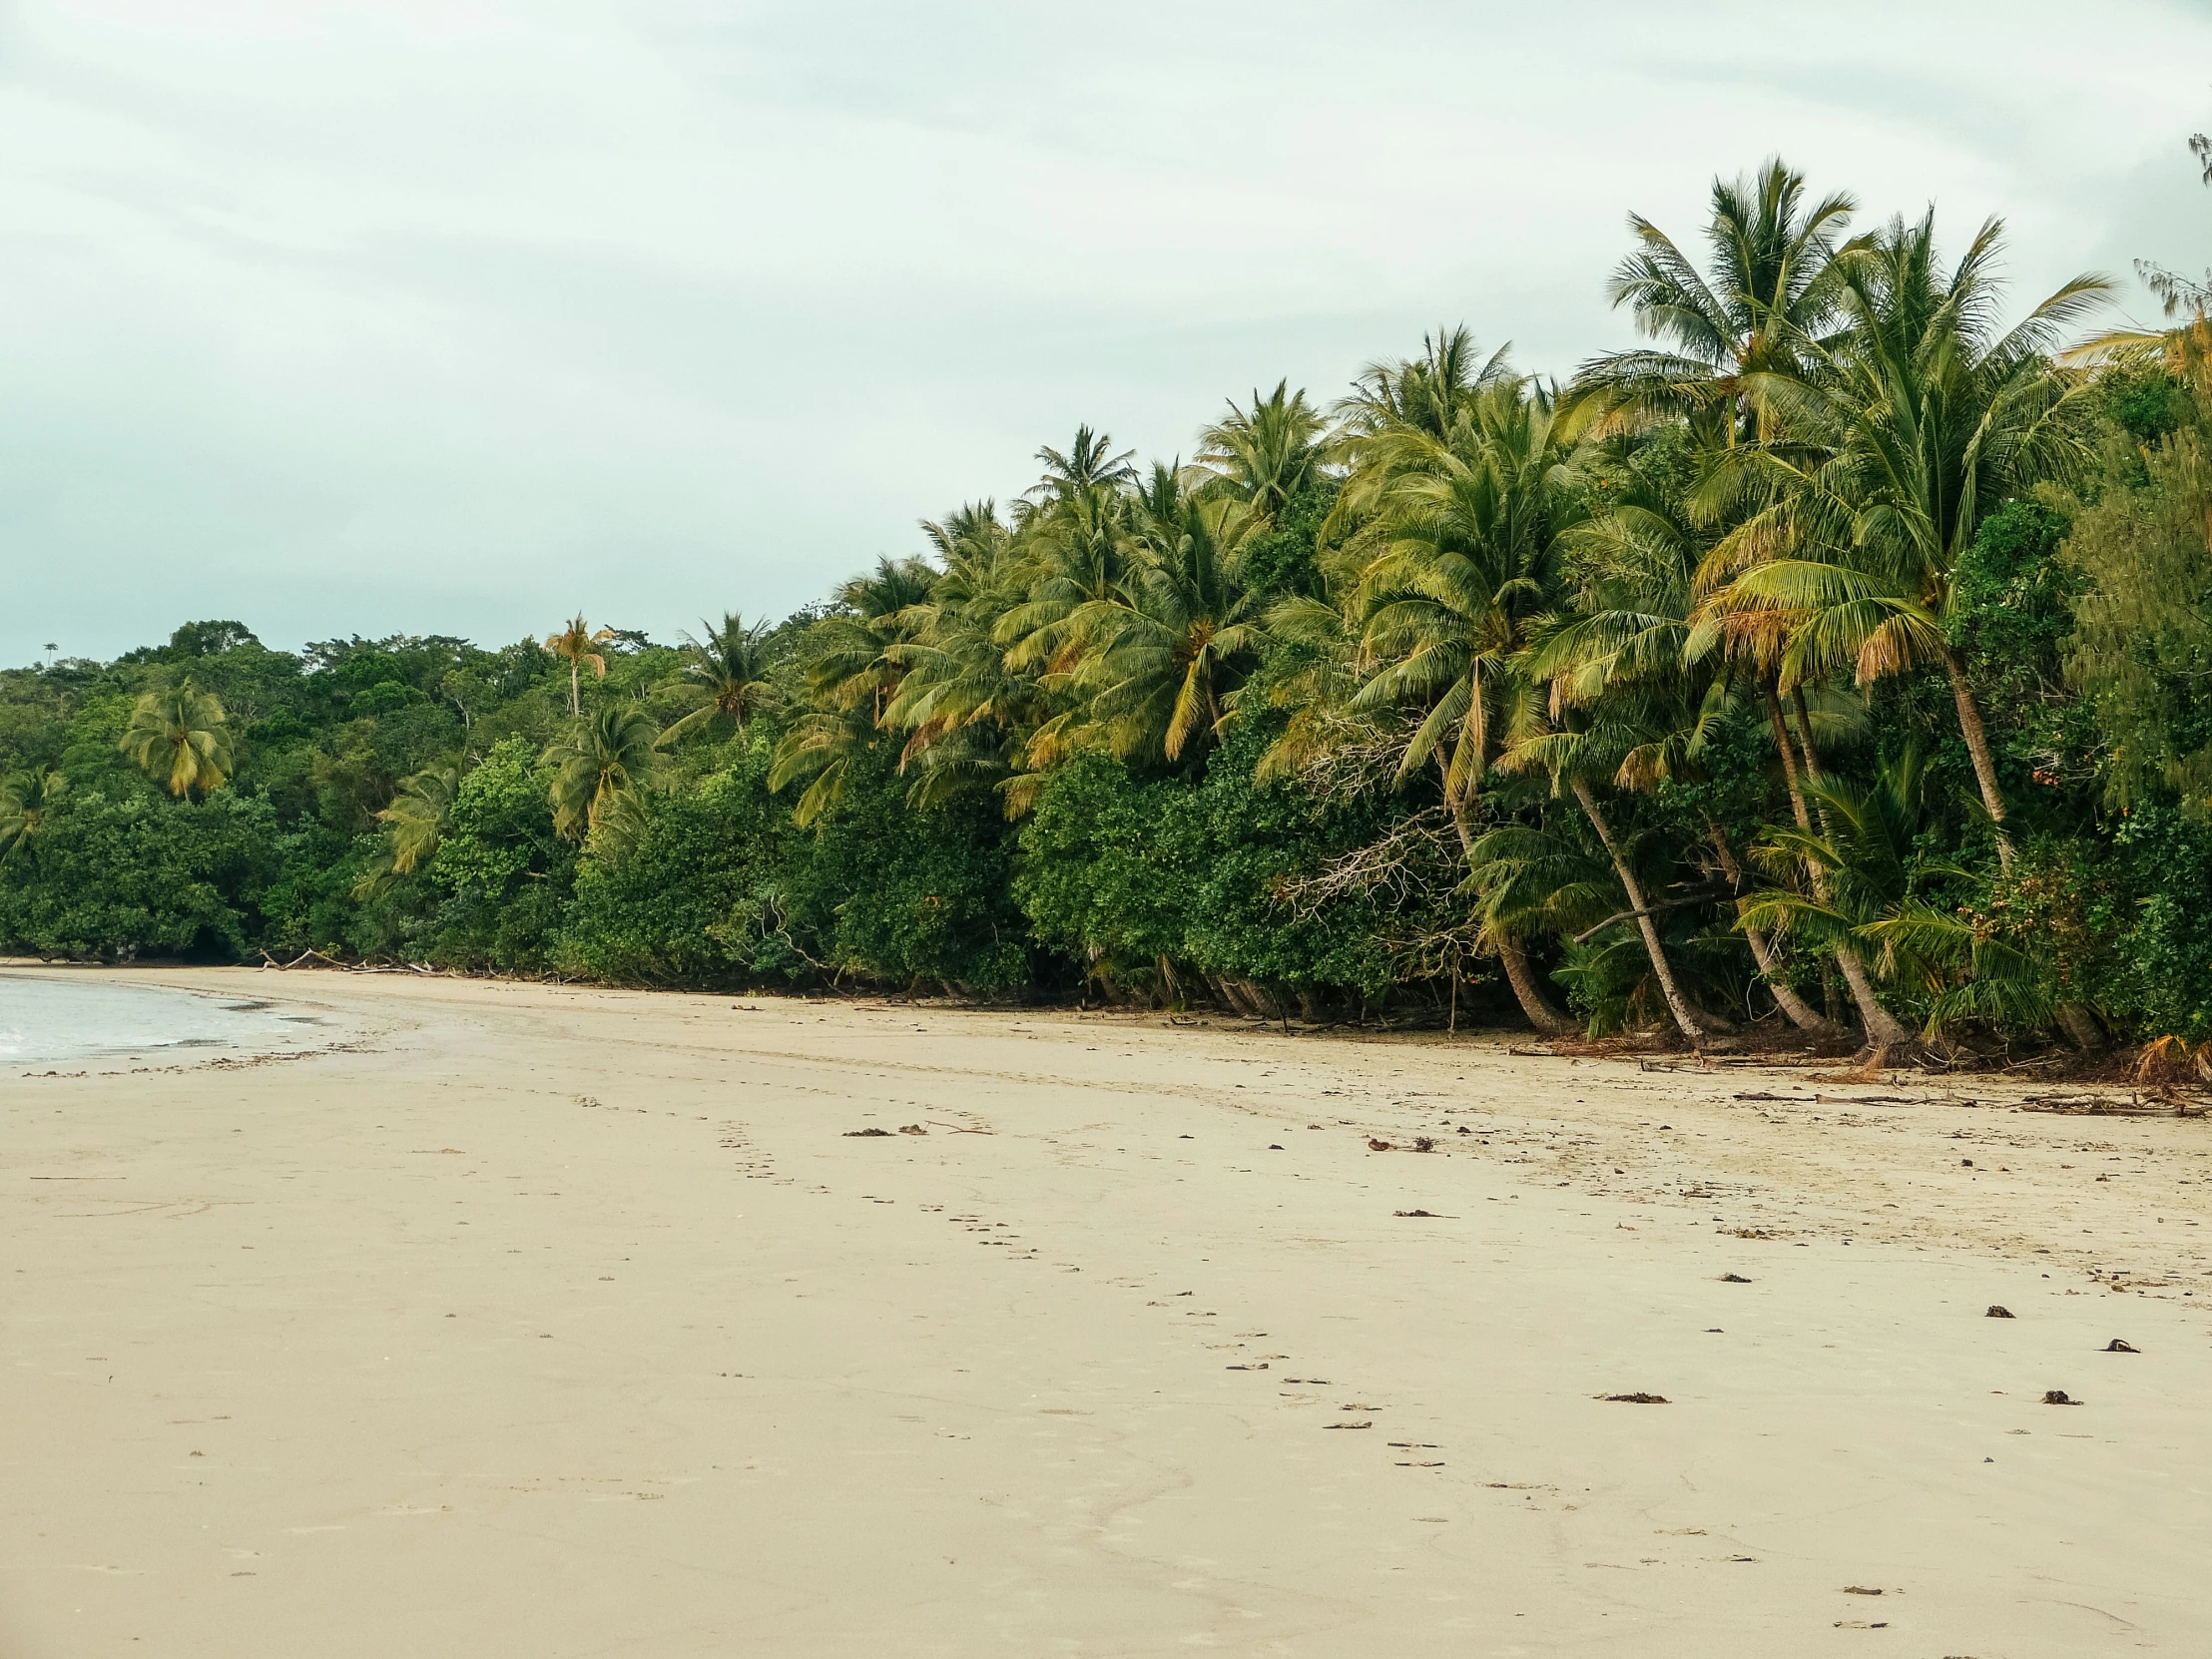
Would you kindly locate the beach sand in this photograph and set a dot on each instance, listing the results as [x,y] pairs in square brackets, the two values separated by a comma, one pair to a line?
[554,1322]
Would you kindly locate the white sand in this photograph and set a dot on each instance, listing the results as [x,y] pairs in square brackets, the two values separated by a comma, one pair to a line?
[570,1323]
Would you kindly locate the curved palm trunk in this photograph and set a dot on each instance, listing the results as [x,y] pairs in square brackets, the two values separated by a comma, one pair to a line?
[2076,1021]
[1677,1003]
[1883,1029]
[1791,1005]
[1536,1007]
[1977,745]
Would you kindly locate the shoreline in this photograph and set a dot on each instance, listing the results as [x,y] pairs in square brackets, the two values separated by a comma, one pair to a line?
[577,1321]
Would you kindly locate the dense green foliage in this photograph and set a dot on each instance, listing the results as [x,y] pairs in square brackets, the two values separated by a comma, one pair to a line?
[1834,659]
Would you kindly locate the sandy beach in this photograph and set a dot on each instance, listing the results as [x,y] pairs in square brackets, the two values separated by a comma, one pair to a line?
[543,1321]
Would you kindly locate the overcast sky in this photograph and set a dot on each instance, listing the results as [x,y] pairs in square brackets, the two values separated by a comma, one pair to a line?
[458,315]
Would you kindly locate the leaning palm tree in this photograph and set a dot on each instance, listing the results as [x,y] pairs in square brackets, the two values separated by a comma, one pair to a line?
[600,765]
[1624,635]
[28,800]
[179,736]
[414,822]
[1580,757]
[573,645]
[1875,892]
[417,815]
[1458,555]
[726,675]
[1891,443]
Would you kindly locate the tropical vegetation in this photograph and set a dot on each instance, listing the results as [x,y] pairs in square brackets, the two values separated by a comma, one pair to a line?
[1831,664]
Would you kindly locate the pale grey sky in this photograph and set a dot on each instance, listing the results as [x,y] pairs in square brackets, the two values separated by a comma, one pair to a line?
[456,316]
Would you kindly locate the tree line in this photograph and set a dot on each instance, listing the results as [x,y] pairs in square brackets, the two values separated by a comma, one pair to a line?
[1828,662]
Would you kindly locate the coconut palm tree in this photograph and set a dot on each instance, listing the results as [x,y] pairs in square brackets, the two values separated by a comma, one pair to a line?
[1578,756]
[1459,554]
[726,675]
[573,645]
[1891,442]
[1395,405]
[1089,465]
[1462,551]
[28,800]
[1266,454]
[1164,650]
[1076,553]
[417,815]
[1769,292]
[1875,892]
[414,820]
[179,737]
[600,765]
[966,713]
[851,679]
[1624,635]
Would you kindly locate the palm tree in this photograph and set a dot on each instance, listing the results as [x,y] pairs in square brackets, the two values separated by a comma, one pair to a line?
[1077,551]
[1267,454]
[1624,636]
[1875,892]
[1462,546]
[28,800]
[1770,302]
[851,680]
[1086,467]
[601,764]
[415,819]
[574,645]
[1574,755]
[1163,651]
[965,711]
[2182,296]
[179,736]
[1459,549]
[1429,393]
[1891,441]
[726,672]
[417,815]
[1770,292]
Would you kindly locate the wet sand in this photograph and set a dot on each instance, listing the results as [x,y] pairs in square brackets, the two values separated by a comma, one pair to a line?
[556,1321]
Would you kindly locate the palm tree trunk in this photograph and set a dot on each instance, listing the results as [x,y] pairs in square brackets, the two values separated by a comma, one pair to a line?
[1536,1007]
[1677,1003]
[1977,745]
[1547,1020]
[1882,1028]
[1805,733]
[575,698]
[2076,1021]
[1789,762]
[1788,1001]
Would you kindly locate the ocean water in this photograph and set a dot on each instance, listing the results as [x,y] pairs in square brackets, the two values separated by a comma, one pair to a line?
[52,1018]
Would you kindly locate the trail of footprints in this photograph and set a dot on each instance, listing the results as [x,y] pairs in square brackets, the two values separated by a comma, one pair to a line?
[757,1164]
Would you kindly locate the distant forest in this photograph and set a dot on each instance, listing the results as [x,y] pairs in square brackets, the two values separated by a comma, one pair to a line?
[1836,663]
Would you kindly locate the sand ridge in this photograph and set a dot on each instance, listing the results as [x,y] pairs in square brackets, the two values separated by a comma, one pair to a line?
[575,1322]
